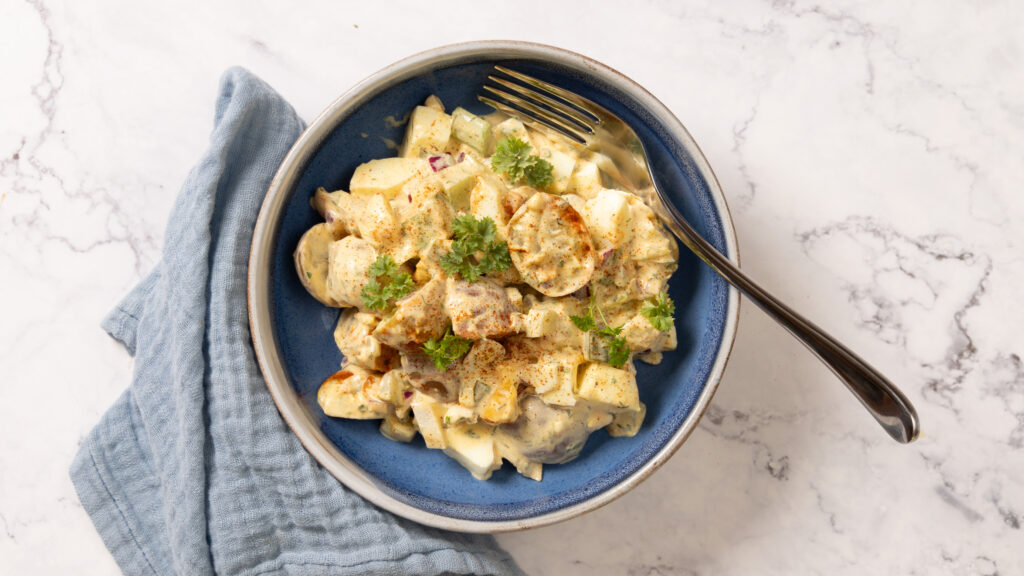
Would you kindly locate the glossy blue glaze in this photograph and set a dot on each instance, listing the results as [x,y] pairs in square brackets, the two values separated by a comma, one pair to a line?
[428,479]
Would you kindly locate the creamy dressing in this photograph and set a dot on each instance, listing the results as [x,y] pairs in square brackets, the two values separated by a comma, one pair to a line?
[532,385]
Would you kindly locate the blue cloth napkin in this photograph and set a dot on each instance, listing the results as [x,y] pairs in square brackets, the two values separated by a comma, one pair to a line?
[192,471]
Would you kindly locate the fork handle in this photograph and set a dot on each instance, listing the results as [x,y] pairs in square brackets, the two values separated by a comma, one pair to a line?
[880,396]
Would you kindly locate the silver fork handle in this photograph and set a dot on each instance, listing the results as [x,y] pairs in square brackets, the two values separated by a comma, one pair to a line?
[882,399]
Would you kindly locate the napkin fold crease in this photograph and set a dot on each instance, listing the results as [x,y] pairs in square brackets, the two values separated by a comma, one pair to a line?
[192,471]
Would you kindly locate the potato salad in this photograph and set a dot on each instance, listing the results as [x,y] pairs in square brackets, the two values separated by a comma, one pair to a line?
[495,290]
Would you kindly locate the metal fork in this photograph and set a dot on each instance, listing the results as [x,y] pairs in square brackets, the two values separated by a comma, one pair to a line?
[619,153]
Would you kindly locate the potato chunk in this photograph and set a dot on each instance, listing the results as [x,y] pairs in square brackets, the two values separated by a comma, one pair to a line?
[427,413]
[608,219]
[425,213]
[354,340]
[378,224]
[340,209]
[427,133]
[417,318]
[344,395]
[347,272]
[511,128]
[478,365]
[608,388]
[498,401]
[555,377]
[627,424]
[386,176]
[640,336]
[585,179]
[561,157]
[473,446]
[478,310]
[486,201]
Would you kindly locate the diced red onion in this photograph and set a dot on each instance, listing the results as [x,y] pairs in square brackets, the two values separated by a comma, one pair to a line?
[606,255]
[407,395]
[438,163]
[462,156]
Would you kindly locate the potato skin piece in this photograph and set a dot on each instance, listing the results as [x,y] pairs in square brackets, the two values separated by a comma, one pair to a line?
[340,209]
[478,310]
[312,262]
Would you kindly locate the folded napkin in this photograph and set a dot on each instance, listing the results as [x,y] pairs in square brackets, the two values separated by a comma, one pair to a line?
[192,471]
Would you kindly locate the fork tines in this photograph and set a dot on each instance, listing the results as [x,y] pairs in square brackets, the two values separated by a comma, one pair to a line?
[538,103]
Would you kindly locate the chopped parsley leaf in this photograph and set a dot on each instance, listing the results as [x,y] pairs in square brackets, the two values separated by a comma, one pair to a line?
[512,157]
[618,350]
[659,311]
[475,251]
[447,350]
[386,284]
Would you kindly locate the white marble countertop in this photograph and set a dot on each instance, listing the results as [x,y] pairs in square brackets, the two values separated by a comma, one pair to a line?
[872,154]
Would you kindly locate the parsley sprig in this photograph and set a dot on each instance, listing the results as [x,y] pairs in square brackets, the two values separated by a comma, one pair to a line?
[512,157]
[585,323]
[386,284]
[618,350]
[659,311]
[475,251]
[447,350]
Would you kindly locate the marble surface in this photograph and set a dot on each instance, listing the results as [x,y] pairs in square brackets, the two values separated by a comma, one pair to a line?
[872,156]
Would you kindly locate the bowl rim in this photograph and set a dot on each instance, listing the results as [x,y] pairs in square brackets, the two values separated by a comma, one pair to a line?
[267,225]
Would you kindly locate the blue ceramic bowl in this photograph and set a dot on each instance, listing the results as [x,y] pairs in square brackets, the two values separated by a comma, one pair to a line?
[292,333]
